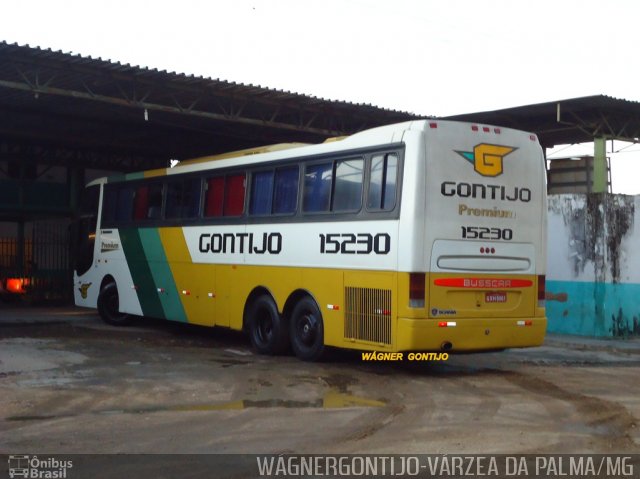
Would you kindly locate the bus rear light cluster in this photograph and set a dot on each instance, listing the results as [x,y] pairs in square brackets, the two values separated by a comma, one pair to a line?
[486,129]
[542,290]
[416,290]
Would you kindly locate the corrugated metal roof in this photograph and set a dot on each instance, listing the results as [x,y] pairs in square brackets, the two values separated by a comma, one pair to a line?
[574,120]
[226,86]
[72,101]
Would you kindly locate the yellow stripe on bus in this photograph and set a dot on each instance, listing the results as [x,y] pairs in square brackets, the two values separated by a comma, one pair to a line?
[154,173]
[194,282]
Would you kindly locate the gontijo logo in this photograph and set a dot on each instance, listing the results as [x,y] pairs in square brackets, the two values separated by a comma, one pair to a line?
[486,158]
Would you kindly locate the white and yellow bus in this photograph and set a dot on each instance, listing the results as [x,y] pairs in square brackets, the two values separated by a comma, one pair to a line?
[422,236]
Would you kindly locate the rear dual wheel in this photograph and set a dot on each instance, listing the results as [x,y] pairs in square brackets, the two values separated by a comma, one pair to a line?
[307,330]
[270,333]
[267,329]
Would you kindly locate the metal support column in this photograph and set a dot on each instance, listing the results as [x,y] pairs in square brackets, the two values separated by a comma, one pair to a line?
[600,170]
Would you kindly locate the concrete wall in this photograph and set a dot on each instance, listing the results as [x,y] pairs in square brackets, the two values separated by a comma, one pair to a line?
[593,272]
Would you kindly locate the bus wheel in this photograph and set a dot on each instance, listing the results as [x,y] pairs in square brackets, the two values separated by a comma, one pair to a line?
[267,329]
[109,304]
[307,330]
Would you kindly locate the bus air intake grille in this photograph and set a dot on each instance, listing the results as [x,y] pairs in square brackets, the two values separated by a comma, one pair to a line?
[368,315]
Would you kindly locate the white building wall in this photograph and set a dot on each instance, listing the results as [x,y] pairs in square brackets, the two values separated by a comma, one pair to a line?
[593,272]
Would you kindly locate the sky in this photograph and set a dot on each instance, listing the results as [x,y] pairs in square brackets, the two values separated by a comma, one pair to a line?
[421,56]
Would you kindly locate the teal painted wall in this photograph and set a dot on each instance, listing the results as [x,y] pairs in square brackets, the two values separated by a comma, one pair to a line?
[593,309]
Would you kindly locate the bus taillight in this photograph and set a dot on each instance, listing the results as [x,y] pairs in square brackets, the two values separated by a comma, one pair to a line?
[416,290]
[541,290]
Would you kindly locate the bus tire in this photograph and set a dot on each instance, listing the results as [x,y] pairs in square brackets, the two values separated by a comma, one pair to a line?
[266,327]
[307,330]
[109,304]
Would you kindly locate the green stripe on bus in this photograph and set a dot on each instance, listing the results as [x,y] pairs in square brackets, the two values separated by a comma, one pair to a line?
[134,176]
[169,296]
[115,177]
[140,273]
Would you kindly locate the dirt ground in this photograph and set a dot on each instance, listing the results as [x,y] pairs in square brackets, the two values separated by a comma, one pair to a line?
[71,384]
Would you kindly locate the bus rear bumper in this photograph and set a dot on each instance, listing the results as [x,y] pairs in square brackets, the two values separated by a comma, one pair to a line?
[469,334]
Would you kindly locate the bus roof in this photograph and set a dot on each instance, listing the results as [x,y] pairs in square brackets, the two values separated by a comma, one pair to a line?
[381,134]
[245,152]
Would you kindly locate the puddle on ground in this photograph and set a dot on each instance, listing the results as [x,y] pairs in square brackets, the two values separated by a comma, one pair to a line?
[331,400]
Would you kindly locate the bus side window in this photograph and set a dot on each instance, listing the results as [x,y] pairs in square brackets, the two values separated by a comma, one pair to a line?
[285,195]
[234,195]
[141,202]
[182,199]
[174,200]
[191,198]
[347,191]
[154,210]
[214,197]
[261,193]
[124,204]
[383,182]
[317,187]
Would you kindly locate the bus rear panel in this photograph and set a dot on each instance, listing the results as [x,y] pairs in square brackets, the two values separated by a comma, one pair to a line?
[482,248]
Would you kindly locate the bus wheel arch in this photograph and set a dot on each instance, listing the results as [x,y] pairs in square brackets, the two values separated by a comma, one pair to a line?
[266,327]
[108,303]
[106,280]
[306,327]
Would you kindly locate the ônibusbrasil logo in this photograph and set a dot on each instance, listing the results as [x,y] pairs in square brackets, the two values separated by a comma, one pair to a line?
[486,158]
[32,467]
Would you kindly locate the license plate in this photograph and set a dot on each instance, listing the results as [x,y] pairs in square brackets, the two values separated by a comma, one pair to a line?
[495,297]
